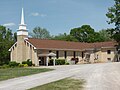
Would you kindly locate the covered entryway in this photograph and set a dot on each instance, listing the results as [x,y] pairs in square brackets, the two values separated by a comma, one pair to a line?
[44,59]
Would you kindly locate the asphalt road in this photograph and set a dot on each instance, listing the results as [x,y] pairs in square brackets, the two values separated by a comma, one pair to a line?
[104,76]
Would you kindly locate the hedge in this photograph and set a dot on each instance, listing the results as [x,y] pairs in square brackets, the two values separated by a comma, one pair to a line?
[28,62]
[57,62]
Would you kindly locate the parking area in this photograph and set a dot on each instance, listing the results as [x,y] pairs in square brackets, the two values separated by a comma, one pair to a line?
[103,76]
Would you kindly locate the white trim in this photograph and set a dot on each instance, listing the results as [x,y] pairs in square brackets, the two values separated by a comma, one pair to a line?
[30,43]
[22,33]
[12,46]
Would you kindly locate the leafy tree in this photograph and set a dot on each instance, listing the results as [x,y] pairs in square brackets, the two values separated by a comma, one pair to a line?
[15,37]
[114,18]
[6,41]
[95,37]
[64,37]
[83,33]
[40,33]
[105,35]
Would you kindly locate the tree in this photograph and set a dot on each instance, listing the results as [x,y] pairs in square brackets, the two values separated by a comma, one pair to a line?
[6,41]
[114,18]
[15,37]
[95,37]
[83,33]
[105,35]
[40,33]
[65,37]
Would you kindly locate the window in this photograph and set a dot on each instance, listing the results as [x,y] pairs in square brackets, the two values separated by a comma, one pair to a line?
[108,51]
[109,59]
[57,54]
[65,54]
[50,51]
[13,48]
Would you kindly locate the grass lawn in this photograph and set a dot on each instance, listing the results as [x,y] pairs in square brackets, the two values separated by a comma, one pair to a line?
[17,72]
[64,84]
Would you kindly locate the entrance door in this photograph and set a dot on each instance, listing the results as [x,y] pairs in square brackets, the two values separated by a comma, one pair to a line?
[42,61]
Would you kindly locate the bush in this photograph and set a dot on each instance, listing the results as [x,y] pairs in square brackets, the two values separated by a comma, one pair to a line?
[60,61]
[57,62]
[13,64]
[24,62]
[25,65]
[4,66]
[66,63]
[1,63]
[21,65]
[28,62]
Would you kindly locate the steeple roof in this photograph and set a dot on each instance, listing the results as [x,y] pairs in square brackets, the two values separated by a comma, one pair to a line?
[22,26]
[22,17]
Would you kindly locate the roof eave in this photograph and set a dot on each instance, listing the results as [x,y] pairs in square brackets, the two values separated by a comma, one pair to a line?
[12,46]
[61,49]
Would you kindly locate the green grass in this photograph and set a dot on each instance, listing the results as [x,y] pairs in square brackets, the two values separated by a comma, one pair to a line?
[9,73]
[64,84]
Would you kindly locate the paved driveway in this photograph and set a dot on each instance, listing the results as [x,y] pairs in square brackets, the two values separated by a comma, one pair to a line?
[98,77]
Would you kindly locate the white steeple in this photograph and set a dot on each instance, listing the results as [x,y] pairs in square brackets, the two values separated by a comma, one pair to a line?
[22,26]
[22,17]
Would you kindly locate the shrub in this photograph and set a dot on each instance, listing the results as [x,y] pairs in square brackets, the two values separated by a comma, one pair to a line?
[13,64]
[24,62]
[60,61]
[1,63]
[4,66]
[25,65]
[21,65]
[57,62]
[0,67]
[66,63]
[28,62]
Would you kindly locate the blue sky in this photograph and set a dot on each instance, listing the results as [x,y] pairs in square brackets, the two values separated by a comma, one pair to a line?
[57,16]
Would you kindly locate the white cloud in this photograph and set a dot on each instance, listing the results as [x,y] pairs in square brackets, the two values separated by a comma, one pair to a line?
[38,14]
[9,24]
[35,14]
[43,15]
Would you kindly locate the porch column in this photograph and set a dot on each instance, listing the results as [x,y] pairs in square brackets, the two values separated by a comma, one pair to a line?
[47,61]
[54,61]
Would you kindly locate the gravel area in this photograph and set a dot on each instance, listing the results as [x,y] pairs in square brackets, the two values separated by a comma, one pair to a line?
[103,76]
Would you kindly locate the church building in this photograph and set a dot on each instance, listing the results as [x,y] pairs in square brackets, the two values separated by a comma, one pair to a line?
[40,51]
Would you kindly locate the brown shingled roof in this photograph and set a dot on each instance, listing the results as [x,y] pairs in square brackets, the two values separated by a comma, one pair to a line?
[66,45]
